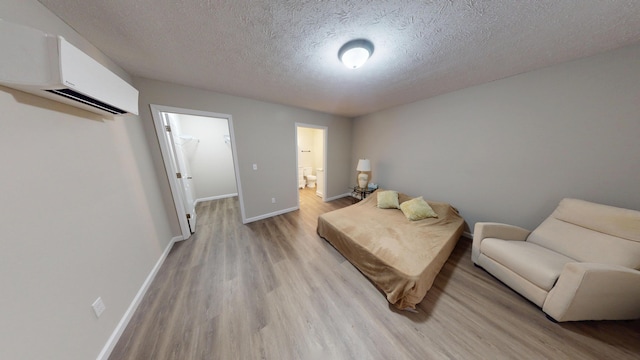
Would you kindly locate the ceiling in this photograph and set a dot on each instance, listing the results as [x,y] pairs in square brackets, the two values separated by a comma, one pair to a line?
[285,51]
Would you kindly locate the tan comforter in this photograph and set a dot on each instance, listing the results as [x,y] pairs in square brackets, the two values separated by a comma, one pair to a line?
[401,257]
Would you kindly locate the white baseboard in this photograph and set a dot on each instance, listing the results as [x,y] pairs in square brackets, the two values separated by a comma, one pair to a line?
[217,197]
[468,235]
[115,336]
[337,197]
[279,212]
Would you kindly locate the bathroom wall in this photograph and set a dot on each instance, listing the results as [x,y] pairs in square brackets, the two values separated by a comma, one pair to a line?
[208,150]
[318,154]
[310,148]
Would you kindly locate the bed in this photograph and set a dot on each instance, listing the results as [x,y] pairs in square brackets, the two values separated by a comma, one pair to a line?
[399,256]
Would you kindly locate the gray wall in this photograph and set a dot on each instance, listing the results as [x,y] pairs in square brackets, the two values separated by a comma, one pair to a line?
[265,135]
[81,215]
[510,150]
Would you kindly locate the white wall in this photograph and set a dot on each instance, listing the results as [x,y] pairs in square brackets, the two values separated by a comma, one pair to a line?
[312,142]
[318,154]
[81,216]
[305,147]
[265,135]
[210,157]
[510,150]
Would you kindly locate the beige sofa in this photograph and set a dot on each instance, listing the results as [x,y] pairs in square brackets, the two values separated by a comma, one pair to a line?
[581,263]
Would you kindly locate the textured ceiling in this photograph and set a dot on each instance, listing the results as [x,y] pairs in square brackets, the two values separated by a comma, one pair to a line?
[285,51]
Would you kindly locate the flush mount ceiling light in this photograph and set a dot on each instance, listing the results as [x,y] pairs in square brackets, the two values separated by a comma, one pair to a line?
[355,53]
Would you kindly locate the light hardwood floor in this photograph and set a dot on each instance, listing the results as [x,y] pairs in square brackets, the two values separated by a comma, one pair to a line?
[274,289]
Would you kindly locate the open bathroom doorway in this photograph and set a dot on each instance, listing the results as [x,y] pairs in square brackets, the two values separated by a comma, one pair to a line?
[311,161]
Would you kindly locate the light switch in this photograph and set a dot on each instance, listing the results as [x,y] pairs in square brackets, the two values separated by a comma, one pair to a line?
[255,166]
[98,307]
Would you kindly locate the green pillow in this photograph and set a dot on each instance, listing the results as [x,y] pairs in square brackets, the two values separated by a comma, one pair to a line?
[388,199]
[417,209]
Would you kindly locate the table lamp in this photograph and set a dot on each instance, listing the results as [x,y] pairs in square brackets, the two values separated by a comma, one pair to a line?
[363,177]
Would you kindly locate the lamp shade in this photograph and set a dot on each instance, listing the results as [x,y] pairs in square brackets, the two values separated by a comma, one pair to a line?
[364,165]
[355,53]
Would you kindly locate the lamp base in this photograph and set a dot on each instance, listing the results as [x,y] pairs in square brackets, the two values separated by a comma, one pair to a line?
[363,180]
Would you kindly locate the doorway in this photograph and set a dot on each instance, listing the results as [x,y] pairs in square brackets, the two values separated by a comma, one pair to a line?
[198,149]
[311,159]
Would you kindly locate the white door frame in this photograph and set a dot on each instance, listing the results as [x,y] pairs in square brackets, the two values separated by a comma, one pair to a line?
[170,169]
[325,136]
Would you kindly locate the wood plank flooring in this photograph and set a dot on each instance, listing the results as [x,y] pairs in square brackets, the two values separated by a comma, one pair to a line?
[274,289]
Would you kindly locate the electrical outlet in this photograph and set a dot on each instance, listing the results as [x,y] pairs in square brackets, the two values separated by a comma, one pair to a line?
[273,200]
[98,307]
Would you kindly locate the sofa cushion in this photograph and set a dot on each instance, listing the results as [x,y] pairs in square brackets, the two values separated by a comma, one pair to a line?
[539,265]
[585,245]
[618,222]
[527,289]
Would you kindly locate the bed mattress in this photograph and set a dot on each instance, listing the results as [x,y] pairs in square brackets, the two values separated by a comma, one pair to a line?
[400,256]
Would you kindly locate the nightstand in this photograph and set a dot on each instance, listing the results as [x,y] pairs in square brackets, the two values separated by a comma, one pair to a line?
[358,193]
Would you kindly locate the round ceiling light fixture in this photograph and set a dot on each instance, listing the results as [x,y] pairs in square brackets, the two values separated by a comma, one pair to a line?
[355,53]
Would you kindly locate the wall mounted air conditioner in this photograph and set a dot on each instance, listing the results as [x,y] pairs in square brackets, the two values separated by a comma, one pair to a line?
[49,66]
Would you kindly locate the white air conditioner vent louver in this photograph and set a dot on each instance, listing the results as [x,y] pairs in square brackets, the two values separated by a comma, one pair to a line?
[76,96]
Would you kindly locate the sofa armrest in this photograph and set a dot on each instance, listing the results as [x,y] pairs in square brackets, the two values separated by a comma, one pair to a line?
[594,291]
[484,230]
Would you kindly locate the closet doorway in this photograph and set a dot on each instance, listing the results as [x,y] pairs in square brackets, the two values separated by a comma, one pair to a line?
[198,149]
[311,159]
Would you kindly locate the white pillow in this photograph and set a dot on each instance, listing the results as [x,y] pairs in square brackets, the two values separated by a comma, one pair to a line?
[417,209]
[388,199]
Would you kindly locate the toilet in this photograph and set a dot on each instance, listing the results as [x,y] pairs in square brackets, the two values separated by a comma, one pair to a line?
[309,177]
